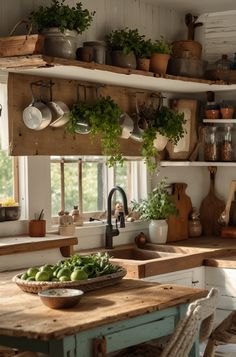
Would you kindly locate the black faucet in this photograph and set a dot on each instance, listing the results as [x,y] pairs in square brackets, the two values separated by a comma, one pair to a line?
[110,231]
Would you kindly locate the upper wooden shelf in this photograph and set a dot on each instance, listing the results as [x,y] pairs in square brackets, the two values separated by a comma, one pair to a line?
[44,66]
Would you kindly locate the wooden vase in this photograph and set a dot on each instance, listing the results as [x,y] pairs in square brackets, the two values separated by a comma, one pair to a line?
[159,63]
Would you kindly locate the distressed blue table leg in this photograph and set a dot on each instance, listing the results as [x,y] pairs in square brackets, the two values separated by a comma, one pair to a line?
[63,348]
[195,350]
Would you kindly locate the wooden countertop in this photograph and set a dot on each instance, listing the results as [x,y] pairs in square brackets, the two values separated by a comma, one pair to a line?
[19,244]
[25,315]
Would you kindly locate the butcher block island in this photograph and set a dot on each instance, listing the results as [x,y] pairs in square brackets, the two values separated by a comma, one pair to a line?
[112,318]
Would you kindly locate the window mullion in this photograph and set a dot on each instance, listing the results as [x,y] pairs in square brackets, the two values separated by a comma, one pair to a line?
[15,170]
[62,167]
[80,184]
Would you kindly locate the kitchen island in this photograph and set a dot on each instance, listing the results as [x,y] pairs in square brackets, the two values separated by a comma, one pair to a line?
[112,318]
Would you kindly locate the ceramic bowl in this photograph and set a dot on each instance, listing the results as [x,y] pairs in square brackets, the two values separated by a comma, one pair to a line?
[60,298]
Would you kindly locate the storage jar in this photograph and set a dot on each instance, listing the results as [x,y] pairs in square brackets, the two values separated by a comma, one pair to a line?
[211,144]
[226,147]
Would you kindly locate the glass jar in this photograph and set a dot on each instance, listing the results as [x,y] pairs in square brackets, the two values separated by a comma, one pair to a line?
[224,63]
[194,224]
[226,147]
[211,144]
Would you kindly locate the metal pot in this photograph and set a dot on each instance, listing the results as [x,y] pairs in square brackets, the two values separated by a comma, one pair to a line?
[60,111]
[37,115]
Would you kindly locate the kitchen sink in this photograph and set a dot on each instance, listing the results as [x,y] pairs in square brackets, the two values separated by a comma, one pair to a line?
[134,253]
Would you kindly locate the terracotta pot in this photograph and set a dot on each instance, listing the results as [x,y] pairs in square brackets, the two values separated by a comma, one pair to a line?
[119,59]
[159,62]
[143,64]
[193,47]
[37,228]
[227,113]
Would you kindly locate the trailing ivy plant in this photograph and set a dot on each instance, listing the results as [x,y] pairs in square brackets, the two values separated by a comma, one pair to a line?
[62,16]
[165,121]
[78,111]
[157,206]
[125,40]
[105,120]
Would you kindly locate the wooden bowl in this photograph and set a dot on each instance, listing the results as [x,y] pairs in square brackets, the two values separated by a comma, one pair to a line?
[60,298]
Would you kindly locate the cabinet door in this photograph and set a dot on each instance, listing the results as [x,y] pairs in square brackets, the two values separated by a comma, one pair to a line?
[225,281]
[189,277]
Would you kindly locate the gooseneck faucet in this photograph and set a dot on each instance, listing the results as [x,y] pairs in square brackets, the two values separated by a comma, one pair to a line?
[110,231]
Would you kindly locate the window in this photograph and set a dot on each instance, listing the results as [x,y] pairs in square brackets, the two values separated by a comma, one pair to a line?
[86,182]
[9,186]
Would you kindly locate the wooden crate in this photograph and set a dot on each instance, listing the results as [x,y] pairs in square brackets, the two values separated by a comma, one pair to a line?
[21,45]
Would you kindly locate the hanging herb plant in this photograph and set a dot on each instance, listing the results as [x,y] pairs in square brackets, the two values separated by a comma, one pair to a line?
[105,120]
[168,123]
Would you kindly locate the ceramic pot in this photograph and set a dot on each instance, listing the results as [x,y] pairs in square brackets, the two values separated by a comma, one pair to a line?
[158,230]
[143,64]
[159,62]
[160,142]
[119,59]
[85,54]
[60,44]
[227,113]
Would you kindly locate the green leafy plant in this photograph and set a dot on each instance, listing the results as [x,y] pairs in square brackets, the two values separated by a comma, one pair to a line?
[157,206]
[167,122]
[125,40]
[62,16]
[162,46]
[144,50]
[105,120]
[78,111]
[170,123]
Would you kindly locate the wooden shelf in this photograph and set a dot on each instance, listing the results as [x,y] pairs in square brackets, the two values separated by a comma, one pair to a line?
[196,163]
[44,66]
[219,121]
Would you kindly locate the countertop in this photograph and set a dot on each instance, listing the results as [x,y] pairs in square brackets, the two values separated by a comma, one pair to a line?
[25,315]
[23,243]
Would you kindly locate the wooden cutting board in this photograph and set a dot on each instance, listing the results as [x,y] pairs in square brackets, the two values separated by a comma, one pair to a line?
[211,208]
[178,225]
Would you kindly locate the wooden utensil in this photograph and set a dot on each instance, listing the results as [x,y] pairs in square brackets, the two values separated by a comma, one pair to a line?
[211,208]
[224,217]
[178,225]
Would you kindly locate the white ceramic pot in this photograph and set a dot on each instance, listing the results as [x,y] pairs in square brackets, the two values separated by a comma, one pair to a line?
[158,230]
[160,142]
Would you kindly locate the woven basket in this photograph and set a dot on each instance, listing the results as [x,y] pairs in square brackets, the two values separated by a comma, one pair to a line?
[86,285]
[21,45]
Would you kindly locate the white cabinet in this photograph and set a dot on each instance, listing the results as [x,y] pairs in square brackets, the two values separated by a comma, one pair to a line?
[194,277]
[225,281]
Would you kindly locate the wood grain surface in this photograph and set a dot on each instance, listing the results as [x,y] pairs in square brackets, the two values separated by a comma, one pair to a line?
[25,315]
[178,225]
[211,208]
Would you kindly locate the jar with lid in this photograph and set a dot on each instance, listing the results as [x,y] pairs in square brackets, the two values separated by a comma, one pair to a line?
[211,144]
[226,147]
[212,109]
[224,63]
[194,224]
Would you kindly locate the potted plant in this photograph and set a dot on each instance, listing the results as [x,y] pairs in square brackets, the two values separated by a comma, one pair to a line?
[123,44]
[103,117]
[161,51]
[61,24]
[156,209]
[143,53]
[164,124]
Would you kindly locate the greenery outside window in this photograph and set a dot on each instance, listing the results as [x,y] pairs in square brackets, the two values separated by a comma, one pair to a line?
[9,176]
[86,182]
